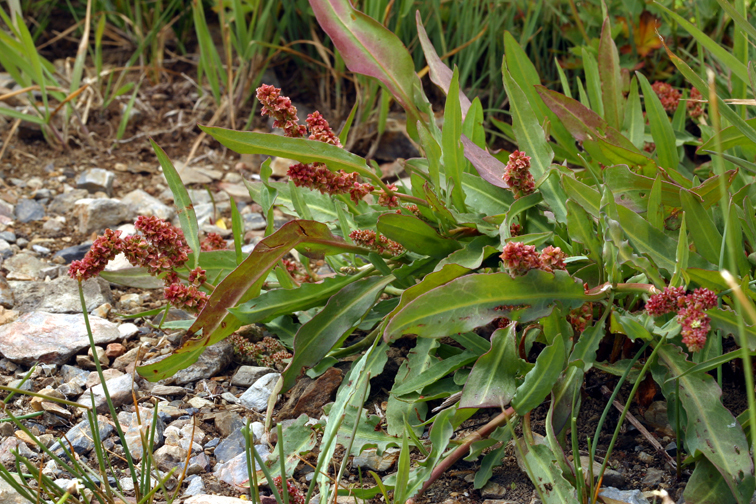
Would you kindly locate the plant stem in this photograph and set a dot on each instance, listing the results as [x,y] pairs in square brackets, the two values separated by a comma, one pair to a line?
[464,448]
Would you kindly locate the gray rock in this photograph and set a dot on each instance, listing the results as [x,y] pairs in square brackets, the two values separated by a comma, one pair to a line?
[6,250]
[234,472]
[42,194]
[128,330]
[41,250]
[24,266]
[10,443]
[229,397]
[21,384]
[80,436]
[61,295]
[142,203]
[195,486]
[611,477]
[132,434]
[8,495]
[210,362]
[230,447]
[73,374]
[653,477]
[119,389]
[254,221]
[256,396]
[198,464]
[228,422]
[96,179]
[51,338]
[6,294]
[28,210]
[166,390]
[98,214]
[75,253]
[64,203]
[204,212]
[493,490]
[8,236]
[6,209]
[167,457]
[245,376]
[369,458]
[629,496]
[214,499]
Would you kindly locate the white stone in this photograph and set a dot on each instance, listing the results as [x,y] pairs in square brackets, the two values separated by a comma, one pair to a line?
[256,396]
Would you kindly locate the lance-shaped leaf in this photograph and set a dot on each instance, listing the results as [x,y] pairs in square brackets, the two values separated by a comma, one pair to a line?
[275,303]
[727,321]
[706,237]
[611,83]
[415,235]
[712,430]
[541,379]
[320,206]
[492,381]
[730,137]
[339,316]
[661,128]
[184,207]
[240,285]
[435,372]
[297,439]
[420,358]
[440,74]
[300,149]
[489,168]
[707,486]
[369,48]
[454,155]
[475,300]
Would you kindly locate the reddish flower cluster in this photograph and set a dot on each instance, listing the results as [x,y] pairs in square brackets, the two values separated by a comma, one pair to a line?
[316,175]
[280,108]
[160,248]
[517,174]
[295,494]
[388,201]
[103,249]
[690,310]
[515,230]
[581,317]
[267,352]
[369,239]
[669,96]
[694,107]
[519,258]
[213,241]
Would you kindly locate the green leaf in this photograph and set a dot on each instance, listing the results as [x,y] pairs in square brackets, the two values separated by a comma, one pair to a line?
[474,300]
[661,128]
[275,303]
[634,120]
[592,81]
[727,321]
[528,131]
[706,237]
[184,207]
[434,373]
[730,137]
[544,471]
[299,149]
[540,380]
[581,229]
[711,430]
[707,486]
[319,206]
[655,209]
[340,315]
[483,197]
[418,360]
[415,235]
[297,439]
[139,278]
[454,158]
[611,82]
[368,435]
[492,381]
[369,48]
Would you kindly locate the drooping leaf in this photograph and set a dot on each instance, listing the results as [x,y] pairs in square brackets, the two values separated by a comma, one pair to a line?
[492,381]
[416,235]
[474,300]
[339,316]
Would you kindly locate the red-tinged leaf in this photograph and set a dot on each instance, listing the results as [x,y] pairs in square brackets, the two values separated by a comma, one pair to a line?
[489,168]
[492,382]
[580,121]
[611,83]
[244,282]
[645,34]
[440,74]
[369,48]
